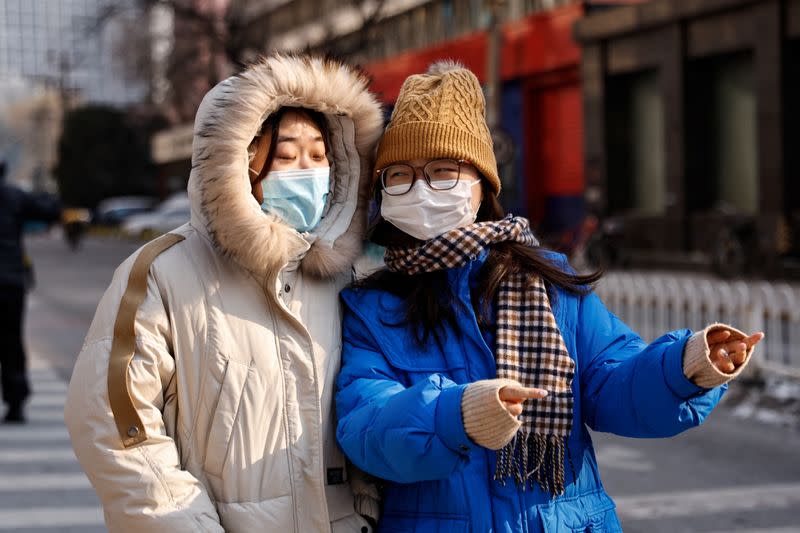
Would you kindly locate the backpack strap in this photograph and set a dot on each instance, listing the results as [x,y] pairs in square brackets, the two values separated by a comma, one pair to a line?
[129,424]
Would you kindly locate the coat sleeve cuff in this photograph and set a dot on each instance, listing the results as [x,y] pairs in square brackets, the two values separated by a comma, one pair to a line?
[697,365]
[486,420]
[680,385]
[449,422]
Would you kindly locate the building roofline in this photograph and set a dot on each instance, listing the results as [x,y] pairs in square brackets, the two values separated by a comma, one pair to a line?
[630,19]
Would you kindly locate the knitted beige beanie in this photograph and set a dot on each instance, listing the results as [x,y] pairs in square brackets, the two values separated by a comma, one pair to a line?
[440,114]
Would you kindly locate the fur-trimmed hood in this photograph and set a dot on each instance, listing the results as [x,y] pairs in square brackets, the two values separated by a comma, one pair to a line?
[228,119]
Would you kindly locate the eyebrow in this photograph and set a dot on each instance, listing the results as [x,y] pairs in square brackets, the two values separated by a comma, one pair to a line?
[287,138]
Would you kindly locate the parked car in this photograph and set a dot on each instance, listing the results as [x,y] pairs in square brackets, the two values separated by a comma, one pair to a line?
[113,211]
[171,213]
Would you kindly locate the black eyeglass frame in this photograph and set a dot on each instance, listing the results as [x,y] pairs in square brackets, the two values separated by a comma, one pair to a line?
[382,174]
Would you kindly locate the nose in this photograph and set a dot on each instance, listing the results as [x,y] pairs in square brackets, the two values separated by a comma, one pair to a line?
[305,161]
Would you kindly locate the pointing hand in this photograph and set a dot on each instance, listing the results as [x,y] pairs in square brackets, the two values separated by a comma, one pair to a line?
[513,396]
[727,355]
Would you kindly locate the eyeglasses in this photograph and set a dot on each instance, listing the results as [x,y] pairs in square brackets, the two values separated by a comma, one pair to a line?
[440,174]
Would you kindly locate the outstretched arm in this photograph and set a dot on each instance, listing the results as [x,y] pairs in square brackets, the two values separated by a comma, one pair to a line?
[636,389]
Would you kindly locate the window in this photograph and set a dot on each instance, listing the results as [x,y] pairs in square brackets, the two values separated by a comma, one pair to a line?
[721,136]
[635,140]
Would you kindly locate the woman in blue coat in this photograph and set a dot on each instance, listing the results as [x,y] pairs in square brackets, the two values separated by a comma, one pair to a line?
[474,363]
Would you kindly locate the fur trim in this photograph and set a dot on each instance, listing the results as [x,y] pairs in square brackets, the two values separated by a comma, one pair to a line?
[326,260]
[445,65]
[229,118]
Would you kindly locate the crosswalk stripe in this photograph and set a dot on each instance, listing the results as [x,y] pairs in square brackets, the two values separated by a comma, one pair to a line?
[45,414]
[28,482]
[790,529]
[41,400]
[44,373]
[38,469]
[49,387]
[48,455]
[60,517]
[708,501]
[33,434]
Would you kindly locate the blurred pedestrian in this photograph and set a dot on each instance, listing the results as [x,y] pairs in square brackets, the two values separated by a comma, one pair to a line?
[75,221]
[474,364]
[16,208]
[202,400]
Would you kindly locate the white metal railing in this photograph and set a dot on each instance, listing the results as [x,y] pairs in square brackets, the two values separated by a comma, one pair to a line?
[654,303]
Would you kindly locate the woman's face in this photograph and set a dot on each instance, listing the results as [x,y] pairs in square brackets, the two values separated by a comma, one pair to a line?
[299,146]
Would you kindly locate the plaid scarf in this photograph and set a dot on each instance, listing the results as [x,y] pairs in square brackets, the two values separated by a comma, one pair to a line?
[529,348]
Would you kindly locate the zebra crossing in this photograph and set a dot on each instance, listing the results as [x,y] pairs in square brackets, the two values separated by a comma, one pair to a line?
[44,490]
[42,487]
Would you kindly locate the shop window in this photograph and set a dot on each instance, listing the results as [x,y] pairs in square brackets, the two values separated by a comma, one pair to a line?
[635,144]
[721,136]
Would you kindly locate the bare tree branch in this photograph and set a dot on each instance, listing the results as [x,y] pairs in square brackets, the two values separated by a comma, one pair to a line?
[359,40]
[207,45]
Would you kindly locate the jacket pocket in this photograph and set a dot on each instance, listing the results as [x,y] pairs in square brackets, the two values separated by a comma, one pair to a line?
[598,520]
[423,523]
[225,414]
[601,522]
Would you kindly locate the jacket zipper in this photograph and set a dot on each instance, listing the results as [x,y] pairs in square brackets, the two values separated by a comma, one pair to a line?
[299,326]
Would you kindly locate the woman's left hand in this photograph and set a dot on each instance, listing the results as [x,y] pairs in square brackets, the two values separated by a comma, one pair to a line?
[728,355]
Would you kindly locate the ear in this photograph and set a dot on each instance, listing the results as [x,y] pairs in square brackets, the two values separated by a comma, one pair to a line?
[260,157]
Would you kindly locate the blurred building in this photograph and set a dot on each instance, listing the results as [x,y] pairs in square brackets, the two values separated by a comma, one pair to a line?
[670,120]
[190,46]
[53,54]
[60,45]
[691,132]
[522,50]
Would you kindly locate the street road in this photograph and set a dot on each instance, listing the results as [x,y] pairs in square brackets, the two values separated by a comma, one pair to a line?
[42,487]
[732,474]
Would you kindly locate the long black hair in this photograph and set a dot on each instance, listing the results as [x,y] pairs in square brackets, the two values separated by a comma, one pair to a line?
[429,300]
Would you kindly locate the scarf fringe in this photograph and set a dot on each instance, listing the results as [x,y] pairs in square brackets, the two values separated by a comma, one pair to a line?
[530,458]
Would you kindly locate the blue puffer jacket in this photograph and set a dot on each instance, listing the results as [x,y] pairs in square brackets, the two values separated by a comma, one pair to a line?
[399,409]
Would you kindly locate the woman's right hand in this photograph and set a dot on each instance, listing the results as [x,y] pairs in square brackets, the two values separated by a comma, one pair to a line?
[513,396]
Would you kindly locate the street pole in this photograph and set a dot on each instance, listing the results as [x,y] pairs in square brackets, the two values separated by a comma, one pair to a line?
[496,8]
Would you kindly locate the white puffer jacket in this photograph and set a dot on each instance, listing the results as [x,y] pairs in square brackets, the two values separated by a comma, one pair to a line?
[237,339]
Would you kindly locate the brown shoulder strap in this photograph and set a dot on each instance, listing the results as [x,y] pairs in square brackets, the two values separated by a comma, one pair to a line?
[129,424]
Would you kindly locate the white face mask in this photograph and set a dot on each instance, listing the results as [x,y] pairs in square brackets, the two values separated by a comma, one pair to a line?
[425,213]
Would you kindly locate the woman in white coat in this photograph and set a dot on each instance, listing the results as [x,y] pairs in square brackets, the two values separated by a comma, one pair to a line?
[202,397]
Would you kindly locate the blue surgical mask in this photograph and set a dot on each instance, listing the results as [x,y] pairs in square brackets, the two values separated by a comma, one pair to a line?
[297,196]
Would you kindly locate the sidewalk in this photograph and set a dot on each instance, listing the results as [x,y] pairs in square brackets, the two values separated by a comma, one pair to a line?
[42,487]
